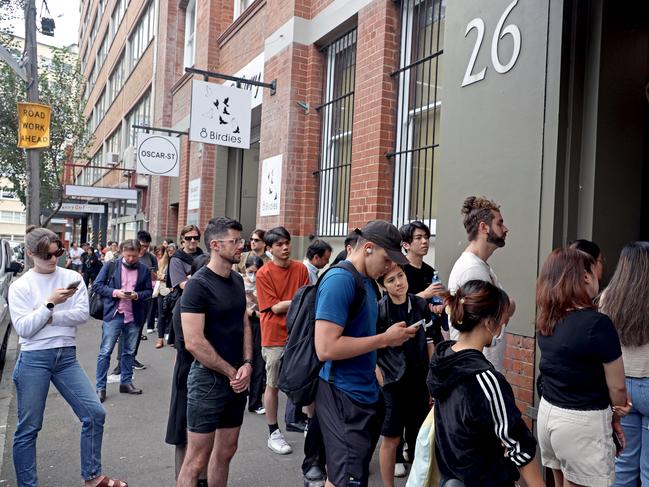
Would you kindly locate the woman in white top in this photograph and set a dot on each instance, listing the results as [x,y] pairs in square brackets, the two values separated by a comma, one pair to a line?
[47,304]
[626,302]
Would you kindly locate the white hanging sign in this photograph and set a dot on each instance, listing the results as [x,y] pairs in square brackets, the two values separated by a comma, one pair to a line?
[157,155]
[220,115]
[194,194]
[254,71]
[270,186]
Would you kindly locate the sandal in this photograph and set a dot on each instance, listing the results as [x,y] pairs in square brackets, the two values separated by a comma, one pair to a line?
[105,481]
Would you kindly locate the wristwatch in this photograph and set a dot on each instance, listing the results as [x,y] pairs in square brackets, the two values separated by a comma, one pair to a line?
[248,361]
[49,306]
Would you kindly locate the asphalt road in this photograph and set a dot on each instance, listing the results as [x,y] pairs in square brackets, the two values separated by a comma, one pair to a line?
[133,446]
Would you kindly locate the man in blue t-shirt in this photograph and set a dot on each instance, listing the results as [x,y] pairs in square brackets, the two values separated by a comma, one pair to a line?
[348,404]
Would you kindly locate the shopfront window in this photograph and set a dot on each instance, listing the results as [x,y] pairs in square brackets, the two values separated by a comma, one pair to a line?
[416,154]
[337,115]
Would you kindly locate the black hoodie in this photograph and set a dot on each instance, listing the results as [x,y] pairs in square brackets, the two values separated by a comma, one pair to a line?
[480,436]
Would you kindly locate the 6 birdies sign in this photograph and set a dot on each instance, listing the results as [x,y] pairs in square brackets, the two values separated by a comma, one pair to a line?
[220,115]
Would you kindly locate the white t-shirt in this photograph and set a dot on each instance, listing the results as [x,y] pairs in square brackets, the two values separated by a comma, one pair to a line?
[29,315]
[75,255]
[470,267]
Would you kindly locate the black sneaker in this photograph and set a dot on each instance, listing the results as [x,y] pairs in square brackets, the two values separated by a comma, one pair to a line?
[314,477]
[138,366]
[117,371]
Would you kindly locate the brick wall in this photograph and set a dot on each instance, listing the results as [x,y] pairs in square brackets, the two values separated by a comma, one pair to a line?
[519,366]
[374,113]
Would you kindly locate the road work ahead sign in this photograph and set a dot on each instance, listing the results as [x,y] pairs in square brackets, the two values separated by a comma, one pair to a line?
[158,155]
[33,125]
[220,115]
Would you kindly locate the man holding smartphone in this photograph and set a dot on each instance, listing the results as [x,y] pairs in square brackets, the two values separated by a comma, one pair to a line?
[125,286]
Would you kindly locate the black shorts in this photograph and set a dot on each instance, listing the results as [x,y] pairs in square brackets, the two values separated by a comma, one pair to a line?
[211,402]
[350,431]
[406,407]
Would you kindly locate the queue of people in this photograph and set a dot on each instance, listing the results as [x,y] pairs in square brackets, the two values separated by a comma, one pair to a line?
[382,320]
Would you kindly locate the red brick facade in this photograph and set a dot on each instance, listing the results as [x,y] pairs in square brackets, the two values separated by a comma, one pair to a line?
[287,128]
[520,364]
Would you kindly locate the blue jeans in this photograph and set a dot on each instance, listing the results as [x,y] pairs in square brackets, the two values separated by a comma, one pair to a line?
[32,375]
[633,464]
[111,331]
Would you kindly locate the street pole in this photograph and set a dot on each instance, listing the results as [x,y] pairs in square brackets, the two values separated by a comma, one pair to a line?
[33,180]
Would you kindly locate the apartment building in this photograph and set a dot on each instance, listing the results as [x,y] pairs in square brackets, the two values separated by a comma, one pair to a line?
[117,51]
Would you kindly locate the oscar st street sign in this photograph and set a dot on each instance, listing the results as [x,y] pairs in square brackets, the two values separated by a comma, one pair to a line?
[157,155]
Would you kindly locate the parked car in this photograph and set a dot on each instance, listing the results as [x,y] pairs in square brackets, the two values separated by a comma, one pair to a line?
[9,267]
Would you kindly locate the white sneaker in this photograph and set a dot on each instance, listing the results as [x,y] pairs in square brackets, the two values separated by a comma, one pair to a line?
[260,410]
[277,443]
[399,470]
[150,330]
[166,337]
[113,379]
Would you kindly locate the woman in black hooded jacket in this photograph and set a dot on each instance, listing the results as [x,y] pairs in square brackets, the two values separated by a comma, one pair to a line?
[480,436]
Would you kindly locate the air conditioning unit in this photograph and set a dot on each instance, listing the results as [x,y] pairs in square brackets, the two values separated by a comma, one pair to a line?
[129,157]
[111,158]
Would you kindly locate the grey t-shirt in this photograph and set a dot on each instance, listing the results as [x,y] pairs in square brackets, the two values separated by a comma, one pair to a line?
[178,271]
[149,260]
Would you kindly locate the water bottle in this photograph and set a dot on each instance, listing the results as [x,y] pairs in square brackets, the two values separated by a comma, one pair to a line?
[436,299]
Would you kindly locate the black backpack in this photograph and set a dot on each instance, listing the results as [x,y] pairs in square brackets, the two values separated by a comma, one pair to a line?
[300,367]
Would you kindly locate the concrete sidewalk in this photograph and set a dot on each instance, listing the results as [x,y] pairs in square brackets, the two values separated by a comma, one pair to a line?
[134,448]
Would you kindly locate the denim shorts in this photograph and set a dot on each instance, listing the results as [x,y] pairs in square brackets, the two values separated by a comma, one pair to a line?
[211,402]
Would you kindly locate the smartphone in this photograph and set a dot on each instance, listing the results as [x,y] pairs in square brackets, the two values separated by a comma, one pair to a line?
[73,285]
[418,324]
[618,444]
[128,293]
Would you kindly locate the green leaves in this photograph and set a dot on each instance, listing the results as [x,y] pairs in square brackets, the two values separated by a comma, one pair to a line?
[60,86]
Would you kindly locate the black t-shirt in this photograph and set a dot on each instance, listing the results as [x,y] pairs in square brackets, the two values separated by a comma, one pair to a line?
[399,312]
[573,358]
[418,279]
[223,301]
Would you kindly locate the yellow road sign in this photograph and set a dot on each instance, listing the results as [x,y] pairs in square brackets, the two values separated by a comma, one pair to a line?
[33,125]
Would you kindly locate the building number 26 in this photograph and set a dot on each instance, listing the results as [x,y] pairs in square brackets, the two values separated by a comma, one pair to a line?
[499,33]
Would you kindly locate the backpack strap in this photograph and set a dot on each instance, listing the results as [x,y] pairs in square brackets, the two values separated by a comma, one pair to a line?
[360,295]
[359,299]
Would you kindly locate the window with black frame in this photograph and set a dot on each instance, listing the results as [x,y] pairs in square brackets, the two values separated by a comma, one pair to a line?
[337,118]
[419,105]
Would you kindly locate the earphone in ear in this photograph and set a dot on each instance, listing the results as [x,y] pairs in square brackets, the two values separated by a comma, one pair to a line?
[369,251]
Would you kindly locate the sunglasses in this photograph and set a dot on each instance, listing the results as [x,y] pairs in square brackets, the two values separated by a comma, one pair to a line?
[255,240]
[56,254]
[190,238]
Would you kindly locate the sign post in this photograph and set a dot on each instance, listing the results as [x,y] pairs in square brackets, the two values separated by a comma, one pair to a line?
[157,155]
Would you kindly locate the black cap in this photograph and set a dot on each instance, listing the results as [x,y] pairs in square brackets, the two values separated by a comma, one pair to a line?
[386,236]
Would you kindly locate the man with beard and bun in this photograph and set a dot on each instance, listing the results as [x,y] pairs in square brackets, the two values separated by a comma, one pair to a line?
[217,333]
[486,232]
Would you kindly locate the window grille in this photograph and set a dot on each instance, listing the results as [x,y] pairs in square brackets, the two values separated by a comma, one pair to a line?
[419,104]
[337,118]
